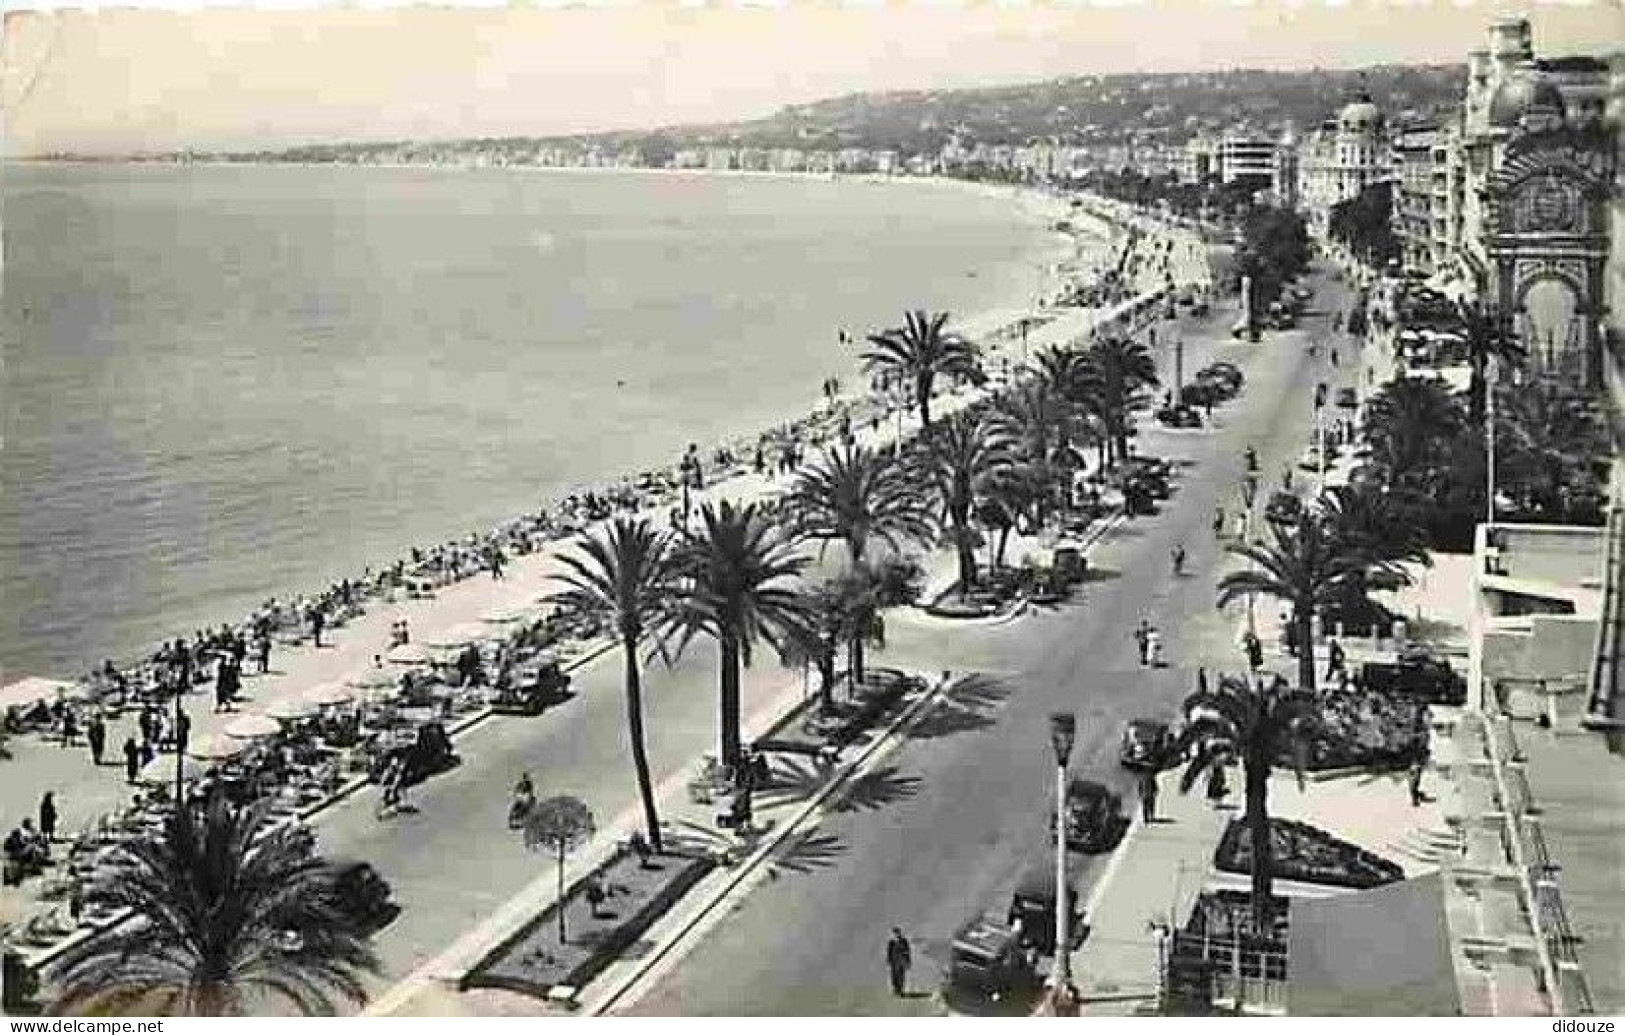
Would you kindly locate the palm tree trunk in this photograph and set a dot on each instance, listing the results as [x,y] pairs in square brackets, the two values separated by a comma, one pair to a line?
[563,938]
[1256,777]
[855,654]
[826,677]
[922,387]
[640,753]
[967,559]
[1004,541]
[730,699]
[1304,618]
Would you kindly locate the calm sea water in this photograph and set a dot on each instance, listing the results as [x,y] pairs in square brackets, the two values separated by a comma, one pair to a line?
[225,383]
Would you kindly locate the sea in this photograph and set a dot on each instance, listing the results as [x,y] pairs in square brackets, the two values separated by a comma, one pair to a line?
[225,383]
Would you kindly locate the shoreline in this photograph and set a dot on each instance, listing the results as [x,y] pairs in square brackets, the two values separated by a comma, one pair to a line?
[1059,250]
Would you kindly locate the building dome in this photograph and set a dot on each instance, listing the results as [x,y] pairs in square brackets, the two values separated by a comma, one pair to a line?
[1526,93]
[1359,116]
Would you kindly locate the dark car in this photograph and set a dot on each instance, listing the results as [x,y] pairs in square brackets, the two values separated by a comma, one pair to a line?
[1283,508]
[1419,675]
[1146,744]
[1347,399]
[363,894]
[534,691]
[988,958]
[1092,814]
[1226,373]
[1032,909]
[1181,416]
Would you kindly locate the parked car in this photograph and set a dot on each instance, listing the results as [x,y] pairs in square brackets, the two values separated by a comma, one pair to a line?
[1227,374]
[1092,814]
[1146,744]
[534,691]
[988,958]
[1032,908]
[1070,564]
[1181,416]
[1283,508]
[1347,399]
[1420,675]
[362,894]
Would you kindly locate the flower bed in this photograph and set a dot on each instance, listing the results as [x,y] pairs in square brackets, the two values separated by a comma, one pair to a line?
[1368,728]
[534,960]
[1305,853]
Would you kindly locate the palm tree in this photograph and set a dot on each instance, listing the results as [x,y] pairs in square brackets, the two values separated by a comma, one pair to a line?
[1120,372]
[1385,526]
[962,457]
[918,352]
[856,494]
[1305,566]
[626,576]
[737,585]
[227,905]
[1410,423]
[1260,727]
[1548,439]
[1487,340]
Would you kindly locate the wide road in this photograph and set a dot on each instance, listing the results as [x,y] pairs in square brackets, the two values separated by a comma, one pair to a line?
[944,829]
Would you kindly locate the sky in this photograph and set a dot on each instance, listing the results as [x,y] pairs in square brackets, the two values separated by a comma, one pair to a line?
[135,79]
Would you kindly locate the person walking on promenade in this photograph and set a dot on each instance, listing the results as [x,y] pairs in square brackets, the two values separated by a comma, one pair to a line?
[390,787]
[1216,786]
[47,816]
[1153,648]
[1334,658]
[1148,795]
[183,732]
[132,759]
[318,619]
[96,735]
[70,727]
[1255,650]
[899,957]
[262,652]
[1142,639]
[1418,767]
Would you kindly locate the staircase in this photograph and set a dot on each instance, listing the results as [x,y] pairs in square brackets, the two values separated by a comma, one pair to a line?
[1606,708]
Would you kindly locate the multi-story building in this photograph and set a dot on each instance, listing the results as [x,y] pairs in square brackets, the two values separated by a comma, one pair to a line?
[1201,160]
[1417,148]
[1247,159]
[1340,159]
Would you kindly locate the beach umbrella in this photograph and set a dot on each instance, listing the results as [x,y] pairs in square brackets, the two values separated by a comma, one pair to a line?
[375,679]
[161,770]
[505,615]
[329,694]
[409,654]
[291,708]
[252,726]
[212,749]
[460,635]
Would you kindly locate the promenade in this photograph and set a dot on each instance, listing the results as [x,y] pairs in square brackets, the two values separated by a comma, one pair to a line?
[577,748]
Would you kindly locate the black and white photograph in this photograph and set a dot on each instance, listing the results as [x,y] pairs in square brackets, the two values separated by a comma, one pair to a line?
[807,509]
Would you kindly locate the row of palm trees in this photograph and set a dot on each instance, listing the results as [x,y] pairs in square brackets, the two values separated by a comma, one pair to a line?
[741,577]
[232,908]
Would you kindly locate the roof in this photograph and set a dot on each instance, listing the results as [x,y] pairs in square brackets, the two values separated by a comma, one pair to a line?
[1386,949]
[1526,92]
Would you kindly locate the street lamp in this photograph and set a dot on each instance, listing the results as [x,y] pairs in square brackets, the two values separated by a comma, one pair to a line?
[1249,493]
[1063,730]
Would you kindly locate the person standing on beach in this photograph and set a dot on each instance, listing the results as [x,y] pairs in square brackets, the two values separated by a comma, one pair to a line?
[318,619]
[132,759]
[262,648]
[96,734]
[47,816]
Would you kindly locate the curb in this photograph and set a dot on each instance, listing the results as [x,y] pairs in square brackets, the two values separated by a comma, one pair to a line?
[754,861]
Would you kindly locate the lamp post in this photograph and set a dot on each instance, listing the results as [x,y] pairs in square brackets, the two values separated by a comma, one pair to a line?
[1063,730]
[1491,375]
[1249,493]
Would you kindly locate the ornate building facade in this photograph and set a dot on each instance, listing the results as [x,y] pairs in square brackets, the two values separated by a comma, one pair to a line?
[1343,157]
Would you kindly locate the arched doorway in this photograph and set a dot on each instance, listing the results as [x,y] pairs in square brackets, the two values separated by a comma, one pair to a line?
[1551,329]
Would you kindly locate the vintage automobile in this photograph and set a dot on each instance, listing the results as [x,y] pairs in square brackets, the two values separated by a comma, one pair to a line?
[362,894]
[1070,564]
[988,958]
[1181,416]
[1347,399]
[1093,811]
[1032,909]
[534,690]
[429,753]
[1146,744]
[1419,675]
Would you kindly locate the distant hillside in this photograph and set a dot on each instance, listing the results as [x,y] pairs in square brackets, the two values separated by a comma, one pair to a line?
[1082,110]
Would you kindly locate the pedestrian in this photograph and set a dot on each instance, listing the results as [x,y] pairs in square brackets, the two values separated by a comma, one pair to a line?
[183,733]
[1417,768]
[1334,357]
[147,752]
[262,650]
[132,759]
[70,727]
[1148,795]
[1142,639]
[147,722]
[318,619]
[96,734]
[899,957]
[1153,648]
[1334,658]
[1255,650]
[47,816]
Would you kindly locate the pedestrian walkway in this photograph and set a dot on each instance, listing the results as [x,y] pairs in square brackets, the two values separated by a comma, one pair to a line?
[1153,880]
